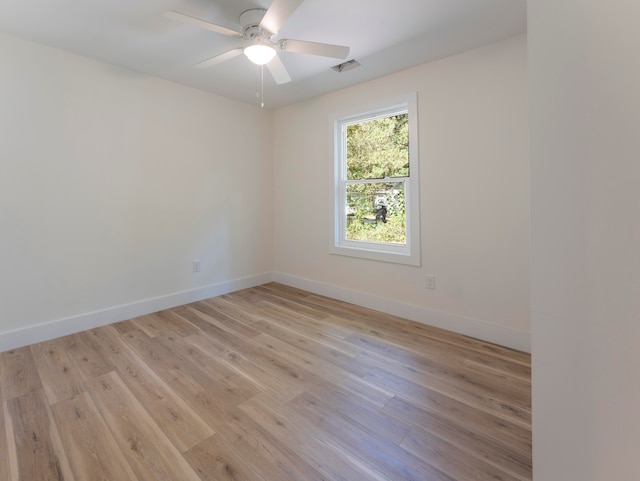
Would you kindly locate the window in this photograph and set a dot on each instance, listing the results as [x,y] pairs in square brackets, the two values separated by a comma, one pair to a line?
[376,201]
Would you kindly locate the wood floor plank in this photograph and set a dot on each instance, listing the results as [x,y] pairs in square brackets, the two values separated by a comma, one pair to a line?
[251,443]
[314,372]
[149,351]
[262,456]
[261,452]
[501,367]
[495,404]
[195,387]
[433,349]
[410,396]
[317,447]
[228,386]
[389,458]
[35,452]
[175,417]
[239,317]
[5,472]
[486,436]
[253,372]
[147,449]
[63,379]
[212,402]
[449,458]
[12,446]
[296,321]
[240,298]
[164,322]
[363,413]
[419,364]
[89,362]
[150,326]
[92,450]
[125,326]
[215,460]
[296,374]
[269,383]
[452,460]
[307,349]
[290,316]
[207,320]
[18,373]
[241,327]
[299,336]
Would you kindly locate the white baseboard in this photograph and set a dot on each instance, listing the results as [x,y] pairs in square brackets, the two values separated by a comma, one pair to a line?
[503,336]
[62,327]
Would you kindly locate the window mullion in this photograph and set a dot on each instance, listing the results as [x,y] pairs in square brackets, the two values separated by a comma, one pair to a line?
[388,180]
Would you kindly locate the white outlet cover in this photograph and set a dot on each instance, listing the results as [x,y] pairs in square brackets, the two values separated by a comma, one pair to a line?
[430,282]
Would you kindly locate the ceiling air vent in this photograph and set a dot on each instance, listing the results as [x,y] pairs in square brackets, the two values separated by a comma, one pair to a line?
[348,65]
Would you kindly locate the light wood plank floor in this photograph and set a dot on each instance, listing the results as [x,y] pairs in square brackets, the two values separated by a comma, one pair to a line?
[265,384]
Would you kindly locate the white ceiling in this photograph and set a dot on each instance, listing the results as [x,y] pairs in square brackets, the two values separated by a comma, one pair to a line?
[384,36]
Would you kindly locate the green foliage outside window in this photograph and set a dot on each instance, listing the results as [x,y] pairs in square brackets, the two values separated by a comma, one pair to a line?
[377,149]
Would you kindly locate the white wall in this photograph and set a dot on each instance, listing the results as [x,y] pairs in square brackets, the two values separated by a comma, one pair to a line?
[473,121]
[112,182]
[585,173]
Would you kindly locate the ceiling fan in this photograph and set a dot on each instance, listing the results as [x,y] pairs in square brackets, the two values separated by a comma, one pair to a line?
[257,38]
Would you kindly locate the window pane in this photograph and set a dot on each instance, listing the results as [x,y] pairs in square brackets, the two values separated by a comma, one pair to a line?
[378,148]
[376,212]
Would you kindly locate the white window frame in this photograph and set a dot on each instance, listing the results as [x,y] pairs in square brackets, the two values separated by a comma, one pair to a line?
[408,253]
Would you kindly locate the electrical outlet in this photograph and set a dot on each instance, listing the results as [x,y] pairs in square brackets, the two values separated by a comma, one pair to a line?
[196,266]
[430,282]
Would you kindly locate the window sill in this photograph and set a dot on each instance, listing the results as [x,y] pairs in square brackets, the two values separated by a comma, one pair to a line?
[389,254]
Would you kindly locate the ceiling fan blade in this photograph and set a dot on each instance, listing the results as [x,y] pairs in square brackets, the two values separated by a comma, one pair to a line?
[219,58]
[314,48]
[278,71]
[278,13]
[181,17]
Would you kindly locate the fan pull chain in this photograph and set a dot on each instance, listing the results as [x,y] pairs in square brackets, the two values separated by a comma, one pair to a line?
[262,86]
[257,83]
[260,91]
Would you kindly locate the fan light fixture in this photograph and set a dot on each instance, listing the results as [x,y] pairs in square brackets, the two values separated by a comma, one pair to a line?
[259,54]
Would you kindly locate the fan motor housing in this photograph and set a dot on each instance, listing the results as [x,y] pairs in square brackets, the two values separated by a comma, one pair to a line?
[250,24]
